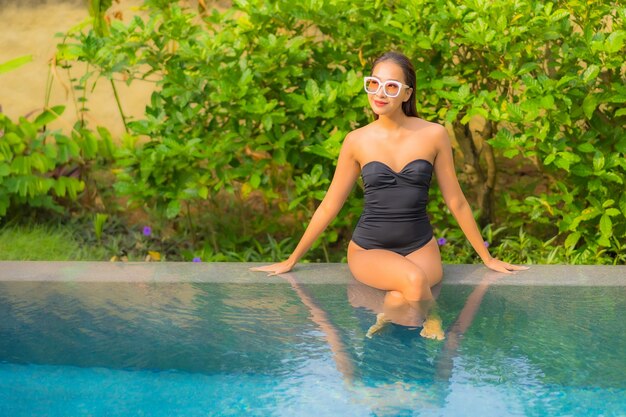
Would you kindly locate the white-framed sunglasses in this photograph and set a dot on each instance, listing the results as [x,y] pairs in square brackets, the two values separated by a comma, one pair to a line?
[391,88]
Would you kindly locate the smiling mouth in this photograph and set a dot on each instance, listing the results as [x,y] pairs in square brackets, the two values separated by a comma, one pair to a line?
[379,103]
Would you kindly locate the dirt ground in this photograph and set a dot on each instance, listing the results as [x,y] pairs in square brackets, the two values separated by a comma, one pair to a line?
[28,28]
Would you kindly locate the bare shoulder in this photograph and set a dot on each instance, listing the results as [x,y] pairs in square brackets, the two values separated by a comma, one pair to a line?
[435,133]
[349,145]
[363,131]
[357,135]
[424,127]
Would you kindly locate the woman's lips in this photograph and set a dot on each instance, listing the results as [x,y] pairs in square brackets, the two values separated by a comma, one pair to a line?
[379,103]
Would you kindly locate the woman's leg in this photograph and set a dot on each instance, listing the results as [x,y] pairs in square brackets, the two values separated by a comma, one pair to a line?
[428,258]
[407,279]
[387,270]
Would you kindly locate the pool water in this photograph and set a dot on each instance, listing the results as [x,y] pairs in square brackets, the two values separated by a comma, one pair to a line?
[216,349]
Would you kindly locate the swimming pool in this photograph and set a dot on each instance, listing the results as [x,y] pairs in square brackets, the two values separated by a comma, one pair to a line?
[214,339]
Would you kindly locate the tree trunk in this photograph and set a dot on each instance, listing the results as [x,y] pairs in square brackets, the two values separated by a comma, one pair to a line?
[471,139]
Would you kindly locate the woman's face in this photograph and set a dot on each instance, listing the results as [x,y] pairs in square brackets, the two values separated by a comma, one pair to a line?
[382,104]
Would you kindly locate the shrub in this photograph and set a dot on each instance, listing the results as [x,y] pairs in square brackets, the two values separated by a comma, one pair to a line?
[43,168]
[255,101]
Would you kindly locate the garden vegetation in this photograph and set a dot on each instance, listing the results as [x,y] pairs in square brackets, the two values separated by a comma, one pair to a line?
[238,143]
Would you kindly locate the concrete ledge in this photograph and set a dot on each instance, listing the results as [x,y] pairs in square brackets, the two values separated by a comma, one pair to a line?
[323,273]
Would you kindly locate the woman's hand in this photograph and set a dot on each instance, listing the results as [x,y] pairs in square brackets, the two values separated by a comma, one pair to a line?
[275,269]
[501,266]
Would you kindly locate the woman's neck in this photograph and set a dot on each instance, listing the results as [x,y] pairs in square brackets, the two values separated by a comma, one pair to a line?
[393,121]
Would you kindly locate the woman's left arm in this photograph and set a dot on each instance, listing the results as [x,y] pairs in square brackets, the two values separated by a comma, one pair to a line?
[458,205]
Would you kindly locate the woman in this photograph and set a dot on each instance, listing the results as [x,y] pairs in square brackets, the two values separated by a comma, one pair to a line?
[393,247]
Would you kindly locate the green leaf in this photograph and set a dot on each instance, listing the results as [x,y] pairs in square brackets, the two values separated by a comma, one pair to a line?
[510,153]
[294,203]
[498,75]
[547,102]
[572,239]
[589,213]
[606,226]
[21,165]
[514,111]
[528,67]
[591,73]
[589,105]
[48,116]
[581,170]
[60,187]
[15,63]
[464,92]
[173,208]
[586,147]
[615,41]
[255,180]
[319,150]
[608,203]
[613,177]
[598,161]
[612,212]
[562,162]
[549,159]
[312,90]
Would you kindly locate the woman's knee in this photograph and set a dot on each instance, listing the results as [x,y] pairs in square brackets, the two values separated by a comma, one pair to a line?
[416,283]
[394,298]
[416,278]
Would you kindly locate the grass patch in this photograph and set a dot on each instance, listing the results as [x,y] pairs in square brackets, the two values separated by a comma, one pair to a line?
[45,243]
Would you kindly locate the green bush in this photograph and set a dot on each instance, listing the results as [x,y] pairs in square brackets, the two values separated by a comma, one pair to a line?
[43,168]
[255,102]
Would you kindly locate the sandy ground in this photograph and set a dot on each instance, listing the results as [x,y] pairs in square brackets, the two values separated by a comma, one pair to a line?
[28,27]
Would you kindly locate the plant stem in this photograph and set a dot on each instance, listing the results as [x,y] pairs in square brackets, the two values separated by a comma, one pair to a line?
[82,109]
[190,223]
[119,105]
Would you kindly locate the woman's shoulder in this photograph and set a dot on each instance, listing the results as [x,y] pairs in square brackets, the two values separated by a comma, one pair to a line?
[425,126]
[363,131]
[359,134]
[424,130]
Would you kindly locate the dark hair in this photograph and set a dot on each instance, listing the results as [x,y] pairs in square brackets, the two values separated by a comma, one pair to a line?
[408,107]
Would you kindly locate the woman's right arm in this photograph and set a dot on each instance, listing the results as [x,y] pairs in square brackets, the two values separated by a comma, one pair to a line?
[345,176]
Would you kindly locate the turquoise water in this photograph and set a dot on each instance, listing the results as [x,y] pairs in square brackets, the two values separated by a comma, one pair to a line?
[198,349]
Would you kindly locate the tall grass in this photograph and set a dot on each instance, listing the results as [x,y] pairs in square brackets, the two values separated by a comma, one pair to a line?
[45,242]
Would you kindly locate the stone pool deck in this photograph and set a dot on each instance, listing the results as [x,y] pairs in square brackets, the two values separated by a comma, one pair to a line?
[322,273]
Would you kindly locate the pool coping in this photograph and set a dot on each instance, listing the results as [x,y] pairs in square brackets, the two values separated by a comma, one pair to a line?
[311,273]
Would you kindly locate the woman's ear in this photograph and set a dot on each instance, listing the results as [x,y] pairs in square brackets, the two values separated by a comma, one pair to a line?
[408,93]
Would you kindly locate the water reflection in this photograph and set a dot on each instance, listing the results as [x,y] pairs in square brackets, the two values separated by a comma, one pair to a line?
[392,383]
[529,348]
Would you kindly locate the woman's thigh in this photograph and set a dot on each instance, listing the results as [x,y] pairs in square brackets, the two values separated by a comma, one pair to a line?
[428,258]
[387,270]
[379,268]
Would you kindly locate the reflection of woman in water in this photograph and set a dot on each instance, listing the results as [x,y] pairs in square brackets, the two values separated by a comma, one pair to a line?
[385,382]
[393,247]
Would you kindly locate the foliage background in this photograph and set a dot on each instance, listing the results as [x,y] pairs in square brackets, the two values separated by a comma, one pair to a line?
[238,144]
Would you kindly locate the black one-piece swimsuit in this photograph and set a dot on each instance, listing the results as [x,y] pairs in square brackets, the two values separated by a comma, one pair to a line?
[394,216]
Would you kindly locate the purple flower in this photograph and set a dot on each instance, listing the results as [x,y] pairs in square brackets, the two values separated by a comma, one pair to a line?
[441,241]
[147,230]
[197,259]
[486,244]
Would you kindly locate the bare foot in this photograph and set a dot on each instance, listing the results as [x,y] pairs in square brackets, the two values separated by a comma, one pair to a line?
[432,329]
[381,322]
